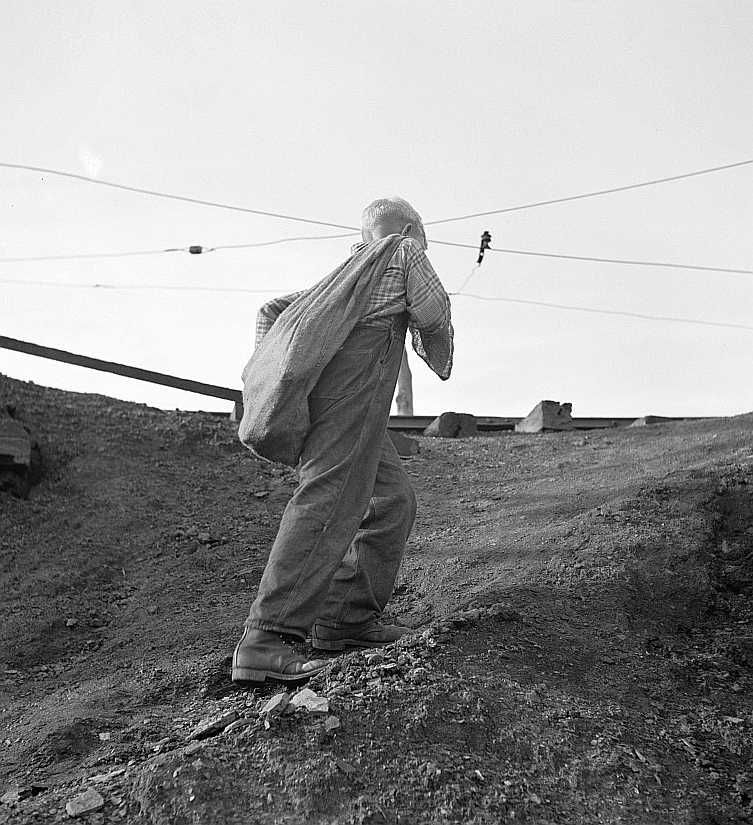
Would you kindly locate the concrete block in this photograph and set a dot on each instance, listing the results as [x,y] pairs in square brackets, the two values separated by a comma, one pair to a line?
[236,414]
[546,415]
[15,444]
[452,425]
[405,446]
[648,420]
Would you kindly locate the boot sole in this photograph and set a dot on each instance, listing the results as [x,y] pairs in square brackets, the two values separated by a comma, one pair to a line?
[247,674]
[341,644]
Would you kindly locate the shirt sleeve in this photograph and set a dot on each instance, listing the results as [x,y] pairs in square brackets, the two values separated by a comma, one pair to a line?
[429,312]
[269,313]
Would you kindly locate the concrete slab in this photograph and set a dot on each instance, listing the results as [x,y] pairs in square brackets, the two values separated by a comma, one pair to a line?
[547,415]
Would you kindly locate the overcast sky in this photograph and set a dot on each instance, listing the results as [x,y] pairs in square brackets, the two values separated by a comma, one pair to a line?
[315,108]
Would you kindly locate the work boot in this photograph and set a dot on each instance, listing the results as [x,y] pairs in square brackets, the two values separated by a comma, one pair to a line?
[375,634]
[261,655]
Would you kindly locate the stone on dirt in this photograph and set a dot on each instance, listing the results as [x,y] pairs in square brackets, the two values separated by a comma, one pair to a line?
[213,726]
[547,415]
[405,446]
[331,723]
[308,700]
[238,725]
[275,705]
[87,801]
[452,425]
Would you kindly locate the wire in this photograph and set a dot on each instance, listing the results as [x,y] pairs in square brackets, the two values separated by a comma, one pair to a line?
[160,287]
[458,294]
[95,255]
[281,240]
[625,261]
[468,278]
[155,194]
[354,229]
[88,255]
[595,194]
[598,311]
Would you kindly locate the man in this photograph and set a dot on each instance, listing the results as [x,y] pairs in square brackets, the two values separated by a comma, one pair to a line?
[333,565]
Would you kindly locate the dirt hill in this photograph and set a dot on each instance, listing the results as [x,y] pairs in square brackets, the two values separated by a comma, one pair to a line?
[583,649]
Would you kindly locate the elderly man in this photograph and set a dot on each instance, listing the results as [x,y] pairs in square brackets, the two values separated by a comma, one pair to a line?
[333,565]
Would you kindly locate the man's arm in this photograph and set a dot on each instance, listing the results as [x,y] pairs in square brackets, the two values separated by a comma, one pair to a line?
[429,311]
[269,313]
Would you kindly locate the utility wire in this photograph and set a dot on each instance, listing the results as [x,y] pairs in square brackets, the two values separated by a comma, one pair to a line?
[155,194]
[235,208]
[594,194]
[624,261]
[87,255]
[280,290]
[598,311]
[159,287]
[219,205]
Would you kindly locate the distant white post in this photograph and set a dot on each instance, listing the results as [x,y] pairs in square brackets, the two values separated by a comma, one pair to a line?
[404,397]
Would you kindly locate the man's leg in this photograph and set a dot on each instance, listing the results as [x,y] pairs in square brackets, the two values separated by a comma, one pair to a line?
[364,582]
[349,410]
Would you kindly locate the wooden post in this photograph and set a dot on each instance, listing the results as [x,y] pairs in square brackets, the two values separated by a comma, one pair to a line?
[404,397]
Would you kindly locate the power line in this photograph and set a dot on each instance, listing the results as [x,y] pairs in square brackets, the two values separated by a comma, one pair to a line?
[87,255]
[281,290]
[598,311]
[159,287]
[220,205]
[625,261]
[186,199]
[94,255]
[590,258]
[594,194]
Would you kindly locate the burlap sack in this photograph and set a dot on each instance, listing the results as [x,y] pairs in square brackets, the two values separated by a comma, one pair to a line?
[286,365]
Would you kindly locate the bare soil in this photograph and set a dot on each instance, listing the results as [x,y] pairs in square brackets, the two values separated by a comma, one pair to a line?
[583,649]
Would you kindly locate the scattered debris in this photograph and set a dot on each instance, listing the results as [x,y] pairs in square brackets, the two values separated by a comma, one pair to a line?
[331,723]
[308,700]
[89,800]
[404,445]
[212,727]
[106,777]
[238,725]
[16,795]
[275,705]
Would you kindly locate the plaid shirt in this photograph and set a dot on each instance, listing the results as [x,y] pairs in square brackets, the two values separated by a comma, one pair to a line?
[409,284]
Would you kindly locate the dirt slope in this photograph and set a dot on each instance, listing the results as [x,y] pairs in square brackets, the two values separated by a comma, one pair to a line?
[584,648]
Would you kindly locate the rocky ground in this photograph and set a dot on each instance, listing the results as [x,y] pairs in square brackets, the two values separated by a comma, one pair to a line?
[583,647]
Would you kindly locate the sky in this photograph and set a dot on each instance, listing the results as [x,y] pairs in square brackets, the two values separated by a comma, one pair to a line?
[313,109]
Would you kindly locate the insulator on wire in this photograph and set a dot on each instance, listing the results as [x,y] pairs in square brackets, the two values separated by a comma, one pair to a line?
[196,250]
[486,240]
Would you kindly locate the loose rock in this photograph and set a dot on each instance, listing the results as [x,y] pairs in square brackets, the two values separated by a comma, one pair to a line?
[90,800]
[331,723]
[452,425]
[211,728]
[276,705]
[310,701]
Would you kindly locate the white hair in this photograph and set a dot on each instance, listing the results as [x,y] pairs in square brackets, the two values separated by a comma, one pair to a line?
[394,211]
